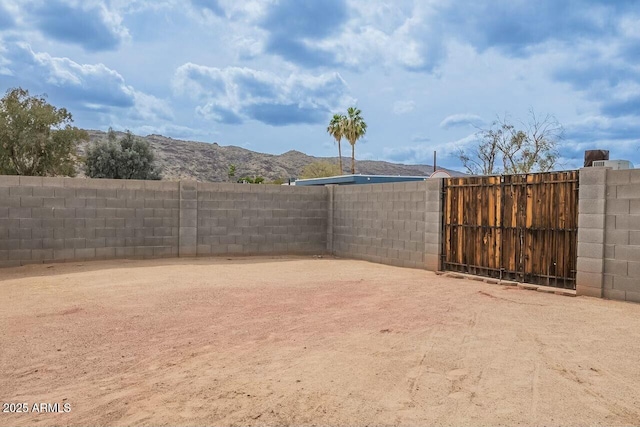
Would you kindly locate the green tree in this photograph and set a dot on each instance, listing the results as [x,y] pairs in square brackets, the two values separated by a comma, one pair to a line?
[483,158]
[354,129]
[534,148]
[250,180]
[129,158]
[320,169]
[36,138]
[232,172]
[336,129]
[529,147]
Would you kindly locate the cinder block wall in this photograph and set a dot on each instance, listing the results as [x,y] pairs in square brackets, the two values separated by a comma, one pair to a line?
[64,219]
[609,234]
[395,223]
[261,219]
[591,223]
[70,219]
[622,236]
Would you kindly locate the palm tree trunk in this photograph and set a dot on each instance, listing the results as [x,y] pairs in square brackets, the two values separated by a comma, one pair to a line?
[340,158]
[353,159]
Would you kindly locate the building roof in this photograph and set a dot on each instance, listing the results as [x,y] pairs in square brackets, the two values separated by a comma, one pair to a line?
[359,179]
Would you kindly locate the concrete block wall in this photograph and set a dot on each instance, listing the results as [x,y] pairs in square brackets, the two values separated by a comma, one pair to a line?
[70,219]
[394,223]
[433,225]
[261,219]
[188,234]
[622,236]
[609,234]
[64,219]
[591,228]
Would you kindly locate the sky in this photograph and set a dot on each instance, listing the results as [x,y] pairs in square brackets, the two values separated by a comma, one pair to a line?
[268,75]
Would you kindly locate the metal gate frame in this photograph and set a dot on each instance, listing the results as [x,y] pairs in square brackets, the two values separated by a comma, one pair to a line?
[513,227]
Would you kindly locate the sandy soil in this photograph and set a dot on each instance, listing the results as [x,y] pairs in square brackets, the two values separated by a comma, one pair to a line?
[266,341]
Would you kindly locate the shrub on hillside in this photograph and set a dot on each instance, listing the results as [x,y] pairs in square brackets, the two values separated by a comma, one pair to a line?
[128,158]
[320,169]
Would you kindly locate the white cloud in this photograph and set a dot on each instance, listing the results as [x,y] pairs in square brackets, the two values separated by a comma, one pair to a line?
[170,130]
[93,87]
[149,108]
[405,34]
[403,107]
[423,153]
[617,132]
[461,120]
[469,61]
[418,137]
[232,95]
[630,26]
[4,62]
[88,83]
[94,25]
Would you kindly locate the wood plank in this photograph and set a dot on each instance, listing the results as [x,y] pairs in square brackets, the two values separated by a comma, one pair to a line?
[524,224]
[460,220]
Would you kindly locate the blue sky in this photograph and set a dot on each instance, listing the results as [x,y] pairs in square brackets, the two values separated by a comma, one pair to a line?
[268,74]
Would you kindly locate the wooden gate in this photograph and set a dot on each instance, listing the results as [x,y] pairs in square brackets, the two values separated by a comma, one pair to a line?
[512,227]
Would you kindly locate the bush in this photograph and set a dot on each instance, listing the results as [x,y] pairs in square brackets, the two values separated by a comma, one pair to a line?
[320,169]
[249,180]
[129,158]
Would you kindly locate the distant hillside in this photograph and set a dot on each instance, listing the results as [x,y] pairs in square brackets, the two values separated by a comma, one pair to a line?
[210,162]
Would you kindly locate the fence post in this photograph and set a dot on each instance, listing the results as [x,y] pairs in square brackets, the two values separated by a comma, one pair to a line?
[433,224]
[330,210]
[592,199]
[188,235]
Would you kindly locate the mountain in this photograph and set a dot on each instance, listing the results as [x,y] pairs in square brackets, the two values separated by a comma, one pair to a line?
[202,161]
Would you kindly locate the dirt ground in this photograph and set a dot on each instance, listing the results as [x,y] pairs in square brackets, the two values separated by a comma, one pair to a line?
[304,341]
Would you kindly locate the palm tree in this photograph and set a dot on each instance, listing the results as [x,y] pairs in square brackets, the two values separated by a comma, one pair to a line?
[355,128]
[336,130]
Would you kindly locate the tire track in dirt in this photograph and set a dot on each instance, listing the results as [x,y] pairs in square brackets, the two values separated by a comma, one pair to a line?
[535,393]
[392,346]
[631,414]
[461,385]
[566,369]
[418,370]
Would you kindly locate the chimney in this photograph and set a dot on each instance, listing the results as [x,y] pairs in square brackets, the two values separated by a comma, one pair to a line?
[593,155]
